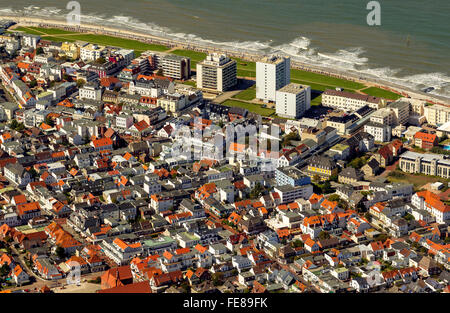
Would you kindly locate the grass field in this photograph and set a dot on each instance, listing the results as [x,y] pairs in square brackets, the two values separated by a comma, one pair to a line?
[193,55]
[40,31]
[417,180]
[255,108]
[324,80]
[378,92]
[248,94]
[190,83]
[316,101]
[93,38]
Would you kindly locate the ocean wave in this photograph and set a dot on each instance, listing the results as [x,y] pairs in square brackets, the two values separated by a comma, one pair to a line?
[347,60]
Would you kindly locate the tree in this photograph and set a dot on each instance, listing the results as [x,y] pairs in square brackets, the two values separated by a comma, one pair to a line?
[100,60]
[33,83]
[256,191]
[14,124]
[60,252]
[49,121]
[334,197]
[297,243]
[324,235]
[217,279]
[80,82]
[293,136]
[160,72]
[39,50]
[326,188]
[4,270]
[316,178]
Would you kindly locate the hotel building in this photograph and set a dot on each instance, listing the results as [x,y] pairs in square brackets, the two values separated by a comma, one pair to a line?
[425,163]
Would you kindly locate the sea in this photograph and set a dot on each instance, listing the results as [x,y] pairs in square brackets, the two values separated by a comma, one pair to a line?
[410,47]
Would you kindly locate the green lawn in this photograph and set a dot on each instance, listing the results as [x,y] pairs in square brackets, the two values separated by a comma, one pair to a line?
[93,38]
[61,39]
[322,79]
[314,86]
[248,94]
[48,31]
[194,55]
[378,92]
[26,30]
[190,83]
[417,180]
[316,101]
[255,108]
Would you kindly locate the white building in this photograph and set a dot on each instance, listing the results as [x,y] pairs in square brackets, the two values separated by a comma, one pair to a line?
[380,132]
[31,40]
[290,193]
[272,73]
[90,91]
[124,121]
[217,72]
[349,101]
[430,202]
[91,52]
[437,114]
[293,100]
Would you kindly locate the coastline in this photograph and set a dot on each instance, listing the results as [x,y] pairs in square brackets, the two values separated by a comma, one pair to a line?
[244,55]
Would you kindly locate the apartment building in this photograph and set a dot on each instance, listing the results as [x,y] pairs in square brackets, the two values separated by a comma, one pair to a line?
[437,114]
[380,132]
[428,164]
[175,66]
[293,100]
[432,203]
[91,91]
[272,73]
[350,101]
[290,193]
[216,72]
[291,176]
[91,52]
[401,111]
[383,116]
[70,50]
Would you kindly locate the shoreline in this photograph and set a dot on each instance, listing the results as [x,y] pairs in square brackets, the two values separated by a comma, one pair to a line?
[244,55]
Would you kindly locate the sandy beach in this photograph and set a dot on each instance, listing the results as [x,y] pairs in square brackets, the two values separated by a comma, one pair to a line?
[247,56]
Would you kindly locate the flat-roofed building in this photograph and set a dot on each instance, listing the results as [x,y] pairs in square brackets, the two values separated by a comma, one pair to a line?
[91,52]
[437,114]
[380,132]
[342,123]
[175,66]
[401,111]
[216,72]
[384,116]
[293,100]
[425,163]
[272,73]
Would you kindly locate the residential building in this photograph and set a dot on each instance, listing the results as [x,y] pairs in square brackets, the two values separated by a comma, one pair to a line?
[380,132]
[272,74]
[293,100]
[216,72]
